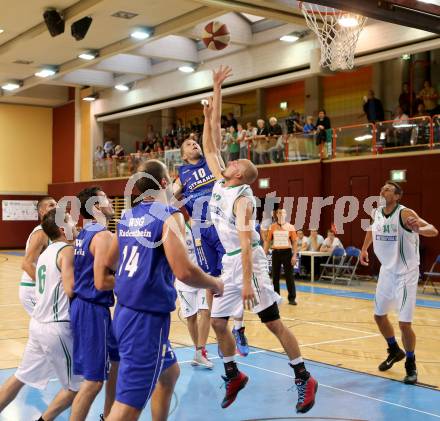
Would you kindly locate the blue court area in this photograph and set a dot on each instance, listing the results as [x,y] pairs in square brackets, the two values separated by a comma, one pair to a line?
[19,253]
[342,394]
[355,294]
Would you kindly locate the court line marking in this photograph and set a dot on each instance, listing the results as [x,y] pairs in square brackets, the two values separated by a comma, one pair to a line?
[345,391]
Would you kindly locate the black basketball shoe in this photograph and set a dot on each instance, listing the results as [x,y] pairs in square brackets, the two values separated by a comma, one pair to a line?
[394,356]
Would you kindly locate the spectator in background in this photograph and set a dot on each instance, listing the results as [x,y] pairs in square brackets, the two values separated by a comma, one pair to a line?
[232,121]
[373,108]
[407,100]
[322,125]
[242,141]
[260,143]
[119,152]
[275,131]
[331,242]
[109,148]
[293,123]
[301,241]
[99,153]
[233,145]
[429,96]
[402,134]
[421,110]
[309,127]
[282,235]
[251,131]
[224,122]
[315,241]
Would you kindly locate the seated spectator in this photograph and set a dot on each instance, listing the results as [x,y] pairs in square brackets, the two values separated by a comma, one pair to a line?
[421,110]
[234,147]
[402,134]
[232,121]
[275,131]
[242,141]
[429,96]
[331,242]
[109,148]
[309,127]
[301,241]
[119,152]
[260,143]
[322,125]
[99,153]
[315,241]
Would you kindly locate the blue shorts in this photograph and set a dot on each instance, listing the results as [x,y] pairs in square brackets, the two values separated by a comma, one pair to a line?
[94,344]
[145,353]
[209,249]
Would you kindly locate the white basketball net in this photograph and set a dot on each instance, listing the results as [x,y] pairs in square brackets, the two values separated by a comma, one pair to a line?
[337,31]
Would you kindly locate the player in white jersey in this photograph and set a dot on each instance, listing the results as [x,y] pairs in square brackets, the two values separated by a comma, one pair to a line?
[193,303]
[245,271]
[394,233]
[49,348]
[35,245]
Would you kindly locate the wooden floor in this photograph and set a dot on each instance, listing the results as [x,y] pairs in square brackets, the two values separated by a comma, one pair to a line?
[335,330]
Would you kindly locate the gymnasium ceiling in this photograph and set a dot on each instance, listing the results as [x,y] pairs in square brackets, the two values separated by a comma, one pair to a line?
[26,45]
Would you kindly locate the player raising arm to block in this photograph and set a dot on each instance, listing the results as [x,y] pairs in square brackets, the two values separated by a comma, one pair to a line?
[245,275]
[395,236]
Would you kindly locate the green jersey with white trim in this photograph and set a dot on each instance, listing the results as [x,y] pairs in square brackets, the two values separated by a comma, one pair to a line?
[221,207]
[52,302]
[396,247]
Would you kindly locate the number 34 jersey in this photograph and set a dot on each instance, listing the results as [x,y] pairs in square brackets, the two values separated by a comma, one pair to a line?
[52,302]
[144,280]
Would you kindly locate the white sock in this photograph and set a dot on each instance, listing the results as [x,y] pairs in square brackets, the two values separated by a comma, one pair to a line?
[228,359]
[238,324]
[297,361]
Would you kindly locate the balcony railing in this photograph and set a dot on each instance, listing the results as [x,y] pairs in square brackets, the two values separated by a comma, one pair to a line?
[412,134]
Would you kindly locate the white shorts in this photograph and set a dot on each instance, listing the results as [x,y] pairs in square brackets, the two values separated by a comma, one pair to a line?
[48,354]
[397,292]
[26,294]
[230,304]
[192,301]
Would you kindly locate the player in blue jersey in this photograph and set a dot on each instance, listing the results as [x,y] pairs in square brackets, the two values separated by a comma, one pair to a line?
[93,342]
[149,247]
[194,185]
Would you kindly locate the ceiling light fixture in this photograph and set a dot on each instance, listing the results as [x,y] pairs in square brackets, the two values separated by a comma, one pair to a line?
[289,38]
[141,33]
[89,55]
[1,31]
[348,21]
[122,88]
[47,71]
[11,85]
[187,68]
[91,98]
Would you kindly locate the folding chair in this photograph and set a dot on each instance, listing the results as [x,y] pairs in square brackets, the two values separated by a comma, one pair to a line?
[431,274]
[347,270]
[331,268]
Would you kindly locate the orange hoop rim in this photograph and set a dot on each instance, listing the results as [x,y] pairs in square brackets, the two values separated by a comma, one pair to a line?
[318,13]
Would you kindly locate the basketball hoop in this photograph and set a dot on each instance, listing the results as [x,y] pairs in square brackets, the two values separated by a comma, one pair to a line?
[337,31]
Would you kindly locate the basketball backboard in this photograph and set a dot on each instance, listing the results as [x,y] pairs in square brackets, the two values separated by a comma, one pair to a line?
[420,14]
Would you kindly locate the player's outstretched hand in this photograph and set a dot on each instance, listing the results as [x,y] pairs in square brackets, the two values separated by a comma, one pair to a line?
[221,74]
[249,299]
[218,290]
[364,258]
[207,108]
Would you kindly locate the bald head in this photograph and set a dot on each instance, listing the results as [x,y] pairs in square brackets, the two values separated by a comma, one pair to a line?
[248,170]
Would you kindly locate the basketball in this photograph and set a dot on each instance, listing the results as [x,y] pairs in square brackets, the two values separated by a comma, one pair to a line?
[216,35]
